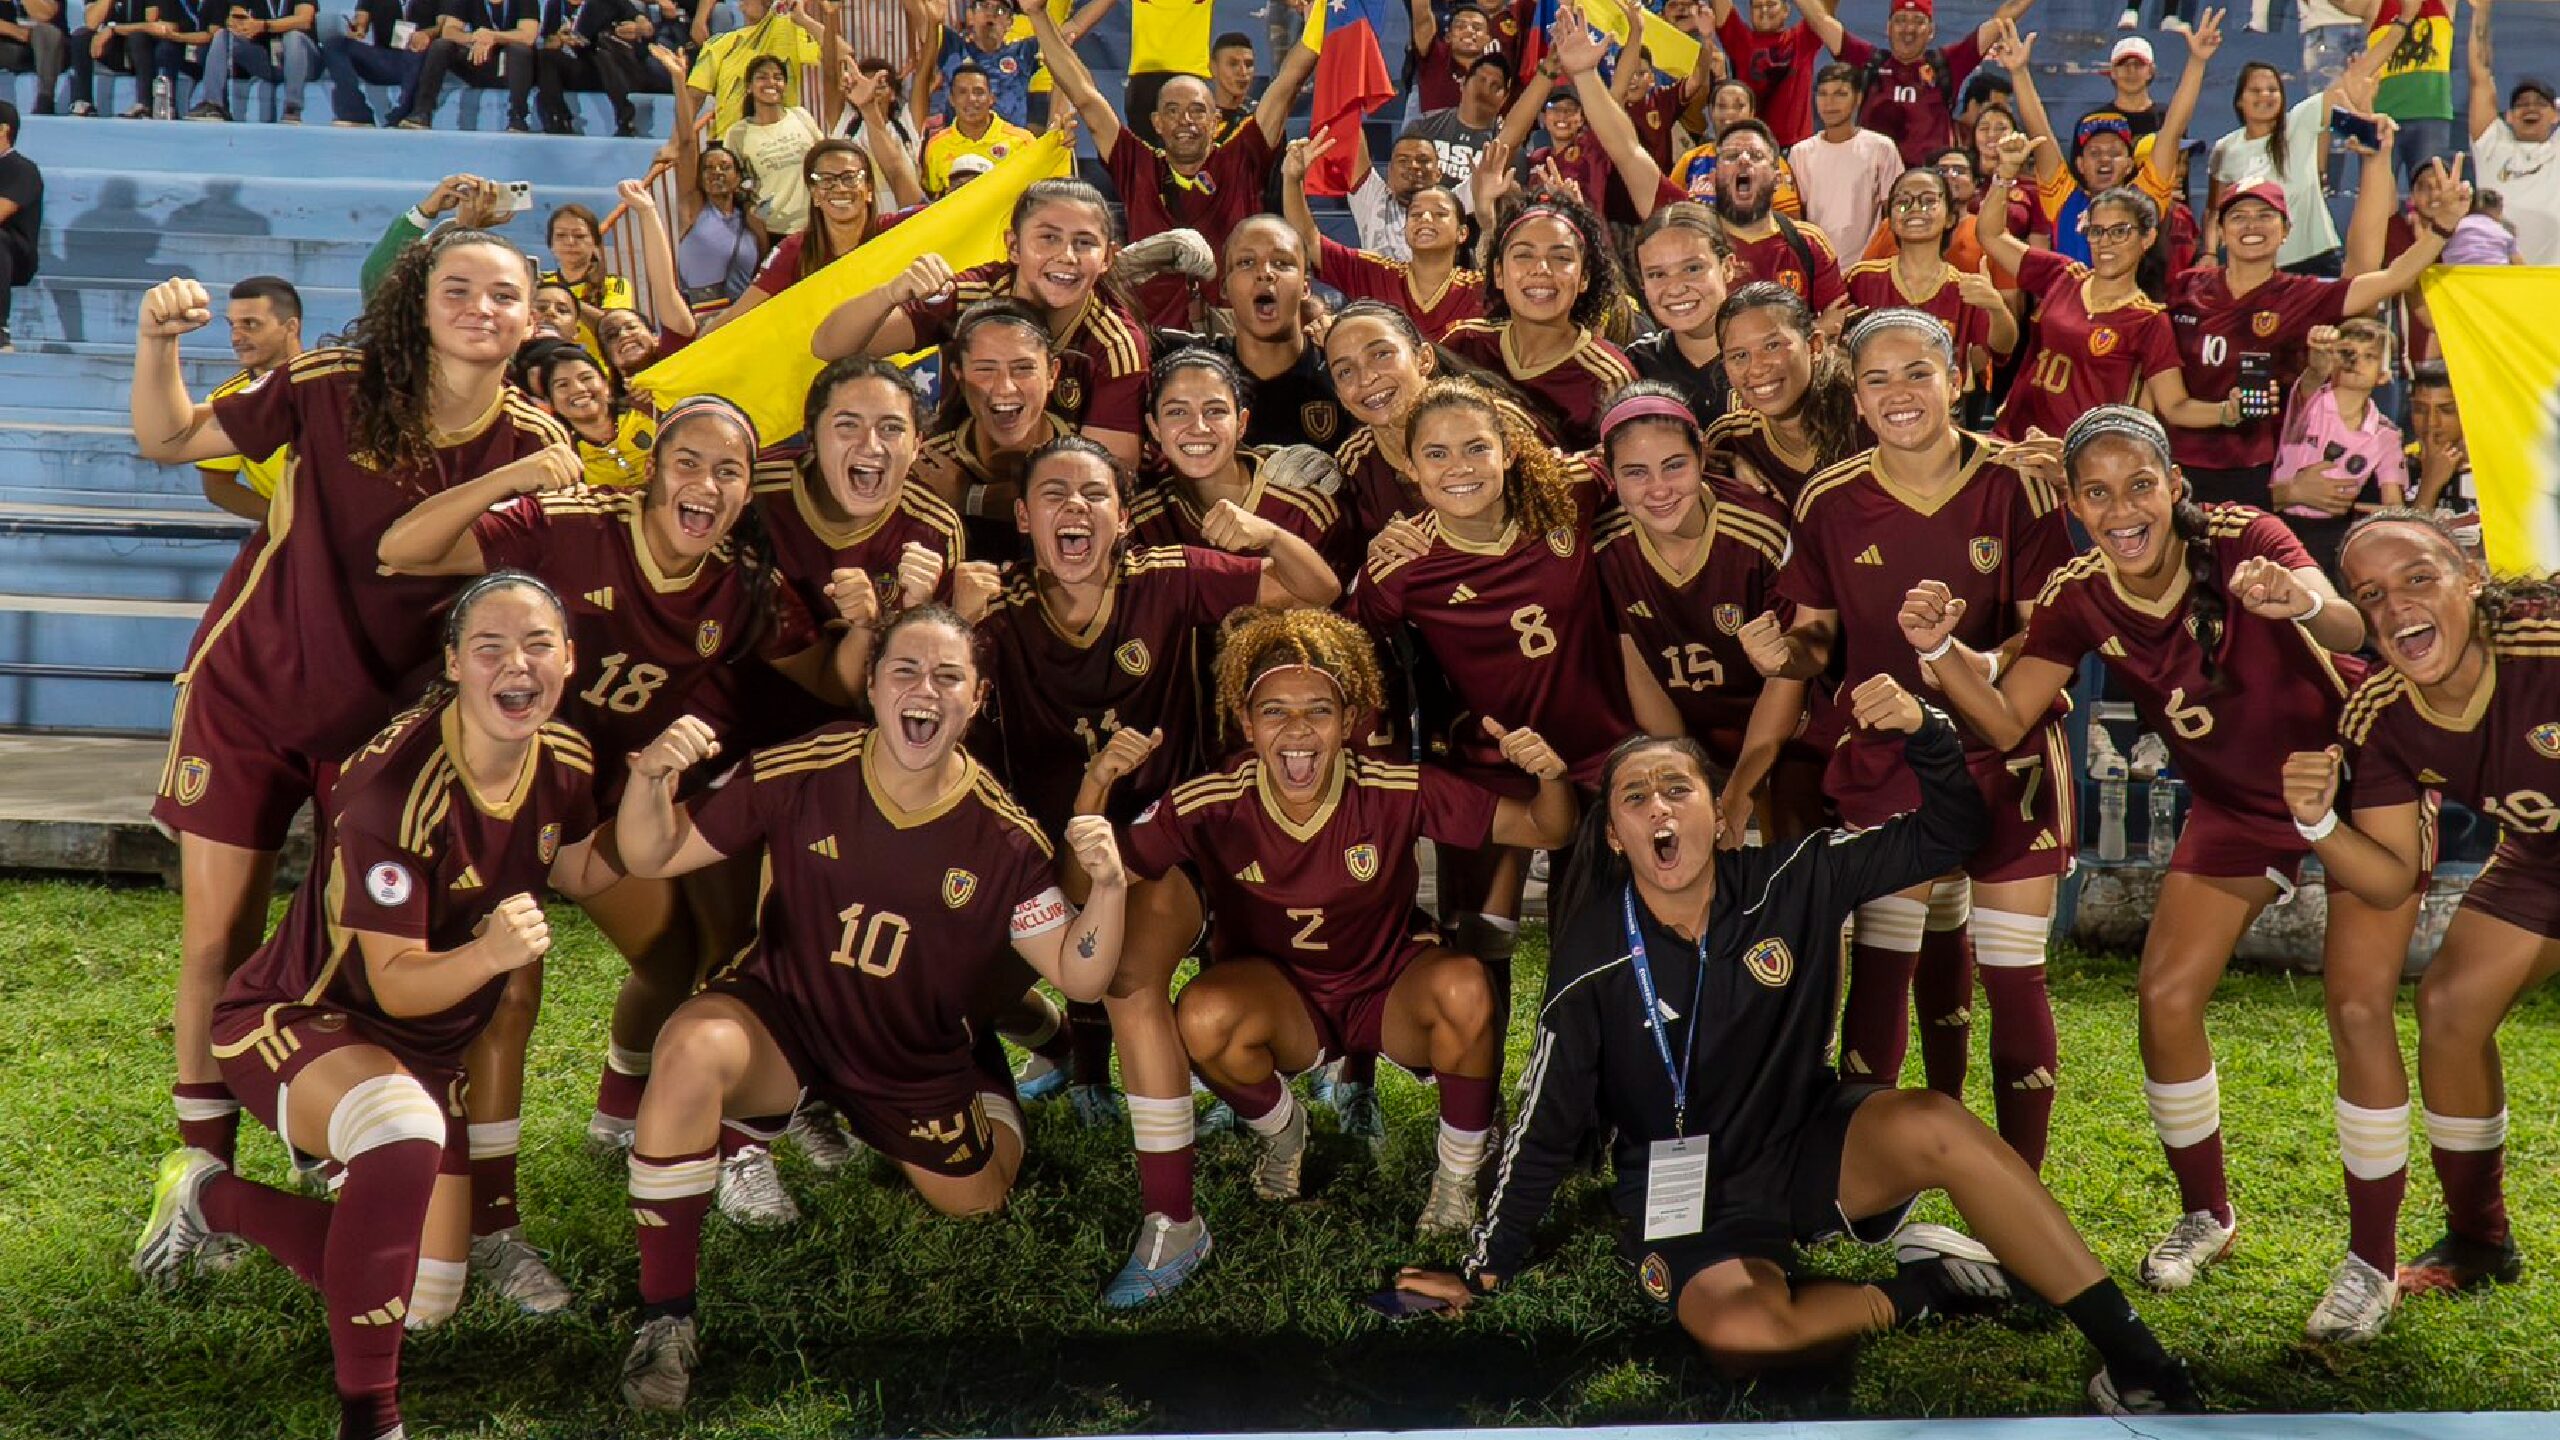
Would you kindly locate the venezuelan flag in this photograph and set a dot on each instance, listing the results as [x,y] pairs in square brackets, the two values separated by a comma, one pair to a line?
[1351,81]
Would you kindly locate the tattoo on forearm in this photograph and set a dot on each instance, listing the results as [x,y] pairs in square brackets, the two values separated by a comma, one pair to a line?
[1085,946]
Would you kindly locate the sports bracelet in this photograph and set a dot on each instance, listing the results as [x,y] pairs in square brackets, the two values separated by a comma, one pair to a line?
[2318,830]
[1940,652]
[2319,602]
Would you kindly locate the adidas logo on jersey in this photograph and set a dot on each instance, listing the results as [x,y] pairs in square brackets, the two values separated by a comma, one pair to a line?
[469,879]
[826,847]
[1462,595]
[1871,556]
[601,599]
[2111,646]
[1641,610]
[2044,841]
[2429,777]
[1251,874]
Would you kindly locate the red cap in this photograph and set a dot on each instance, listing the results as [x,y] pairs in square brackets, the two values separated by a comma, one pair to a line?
[1925,7]
[2266,192]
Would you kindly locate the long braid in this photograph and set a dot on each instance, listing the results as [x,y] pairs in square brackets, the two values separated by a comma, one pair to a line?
[2208,606]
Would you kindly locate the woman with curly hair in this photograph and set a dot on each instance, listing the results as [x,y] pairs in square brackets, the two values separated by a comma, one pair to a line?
[305,647]
[1793,415]
[1551,281]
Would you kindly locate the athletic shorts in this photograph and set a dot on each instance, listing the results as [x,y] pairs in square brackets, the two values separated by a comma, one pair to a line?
[227,782]
[2224,844]
[1348,1020]
[1788,1195]
[944,1130]
[2519,887]
[2028,790]
[261,1047]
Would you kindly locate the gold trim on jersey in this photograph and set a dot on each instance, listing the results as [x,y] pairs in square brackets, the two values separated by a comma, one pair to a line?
[449,726]
[1891,269]
[2158,609]
[1308,829]
[898,816]
[1914,501]
[569,748]
[2481,694]
[806,506]
[1662,566]
[1215,788]
[1584,354]
[1746,421]
[818,752]
[1093,629]
[1499,545]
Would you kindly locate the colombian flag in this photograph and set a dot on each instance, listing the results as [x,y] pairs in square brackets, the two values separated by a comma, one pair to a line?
[1351,81]
[762,360]
[2495,322]
[1674,51]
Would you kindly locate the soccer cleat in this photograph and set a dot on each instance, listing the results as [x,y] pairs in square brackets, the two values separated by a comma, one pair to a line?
[2106,762]
[1450,1208]
[2196,1241]
[2150,756]
[2171,1392]
[1039,1078]
[507,1263]
[176,1232]
[822,1137]
[2356,1307]
[221,1254]
[1276,1170]
[1097,1106]
[659,1369]
[609,1136]
[751,1194]
[2455,1263]
[1357,1103]
[1165,1256]
[1960,1273]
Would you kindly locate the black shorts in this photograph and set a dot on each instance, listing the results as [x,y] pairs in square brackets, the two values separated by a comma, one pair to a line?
[1789,1195]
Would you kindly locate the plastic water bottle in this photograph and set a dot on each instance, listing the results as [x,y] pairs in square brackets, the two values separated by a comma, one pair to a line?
[164,99]
[2163,839]
[2111,819]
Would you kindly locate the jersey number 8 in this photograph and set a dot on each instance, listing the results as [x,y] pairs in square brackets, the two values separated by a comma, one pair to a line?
[1535,638]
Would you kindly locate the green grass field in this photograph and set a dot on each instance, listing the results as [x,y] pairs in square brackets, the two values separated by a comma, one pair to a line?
[874,1318]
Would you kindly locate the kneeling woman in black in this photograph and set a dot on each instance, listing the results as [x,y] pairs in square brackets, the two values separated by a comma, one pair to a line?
[1724,1166]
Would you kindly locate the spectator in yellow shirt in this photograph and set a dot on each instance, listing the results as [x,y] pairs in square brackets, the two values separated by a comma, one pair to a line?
[266,333]
[796,32]
[975,129]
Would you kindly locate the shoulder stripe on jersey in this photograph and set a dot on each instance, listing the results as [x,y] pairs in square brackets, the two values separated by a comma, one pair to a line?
[1199,797]
[1827,479]
[1467,327]
[823,754]
[1356,449]
[1763,530]
[329,360]
[930,508]
[1316,507]
[430,796]
[2364,709]
[1000,805]
[2070,572]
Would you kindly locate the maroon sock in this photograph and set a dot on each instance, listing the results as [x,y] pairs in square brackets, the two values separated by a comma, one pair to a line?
[669,1196]
[1254,1101]
[618,1095]
[1467,1102]
[493,1193]
[1875,1022]
[368,1267]
[208,1118]
[748,1131]
[1942,991]
[2475,1199]
[1359,1068]
[2373,1219]
[1164,1183]
[2025,1057]
[291,1227]
[2202,1182]
[1088,1031]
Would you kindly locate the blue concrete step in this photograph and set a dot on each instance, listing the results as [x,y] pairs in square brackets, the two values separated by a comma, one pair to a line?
[92,632]
[133,554]
[304,203]
[404,156]
[56,376]
[105,252]
[81,308]
[96,463]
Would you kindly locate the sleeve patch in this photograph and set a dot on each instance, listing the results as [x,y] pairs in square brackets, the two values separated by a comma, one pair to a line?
[1040,914]
[389,885]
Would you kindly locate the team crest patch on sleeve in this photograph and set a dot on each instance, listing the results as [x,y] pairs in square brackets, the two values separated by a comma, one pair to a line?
[1133,657]
[1770,962]
[1729,618]
[1986,553]
[957,886]
[2544,738]
[706,640]
[389,885]
[1655,1276]
[1362,862]
[547,844]
[194,773]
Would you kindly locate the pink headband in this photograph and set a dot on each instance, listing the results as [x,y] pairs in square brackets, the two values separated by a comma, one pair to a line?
[1532,213]
[1638,407]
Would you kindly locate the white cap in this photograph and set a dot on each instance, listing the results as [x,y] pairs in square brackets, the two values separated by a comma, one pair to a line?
[972,164]
[2133,45]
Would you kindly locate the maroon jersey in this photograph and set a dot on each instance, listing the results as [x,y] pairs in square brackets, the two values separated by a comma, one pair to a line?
[1102,356]
[1909,102]
[648,643]
[2077,360]
[2215,331]
[1685,623]
[897,967]
[305,632]
[2501,756]
[1772,259]
[2274,684]
[1165,515]
[414,852]
[1743,437]
[1573,386]
[1060,695]
[1360,275]
[1378,492]
[1862,543]
[1779,66]
[1227,190]
[1331,900]
[808,549]
[1521,629]
[1877,285]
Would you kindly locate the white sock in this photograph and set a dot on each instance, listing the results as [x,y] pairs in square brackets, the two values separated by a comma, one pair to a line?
[2374,1144]
[1160,1126]
[1279,1118]
[1461,1151]
[2185,1112]
[496,1138]
[2469,1133]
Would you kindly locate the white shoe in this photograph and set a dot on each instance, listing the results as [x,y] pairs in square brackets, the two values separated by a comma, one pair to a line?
[507,1263]
[609,1136]
[2196,1241]
[2174,25]
[751,1194]
[659,1370]
[823,1140]
[2131,19]
[1965,1267]
[2150,756]
[2105,761]
[1277,1170]
[1450,1209]
[176,1233]
[2358,1304]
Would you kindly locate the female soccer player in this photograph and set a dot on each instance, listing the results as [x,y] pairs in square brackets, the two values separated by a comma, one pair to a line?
[1554,278]
[1434,288]
[1306,856]
[2230,643]
[2466,704]
[1684,262]
[1058,253]
[1797,417]
[903,882]
[1380,362]
[612,435]
[1683,566]
[305,649]
[1921,215]
[1931,501]
[1731,1151]
[842,214]
[346,1034]
[998,375]
[1197,416]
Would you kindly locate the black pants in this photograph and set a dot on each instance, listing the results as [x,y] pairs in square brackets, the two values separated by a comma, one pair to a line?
[17,267]
[510,65]
[608,66]
[42,53]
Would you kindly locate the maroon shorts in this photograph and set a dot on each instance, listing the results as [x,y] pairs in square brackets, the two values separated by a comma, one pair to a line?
[262,1046]
[227,781]
[2224,844]
[2028,790]
[2519,887]
[1349,1020]
[943,1130]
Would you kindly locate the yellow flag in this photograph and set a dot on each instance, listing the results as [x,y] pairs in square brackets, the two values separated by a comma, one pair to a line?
[762,359]
[2506,379]
[1170,36]
[1674,50]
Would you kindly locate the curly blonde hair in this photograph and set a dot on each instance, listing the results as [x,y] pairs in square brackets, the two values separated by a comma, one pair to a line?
[1537,486]
[1258,642]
